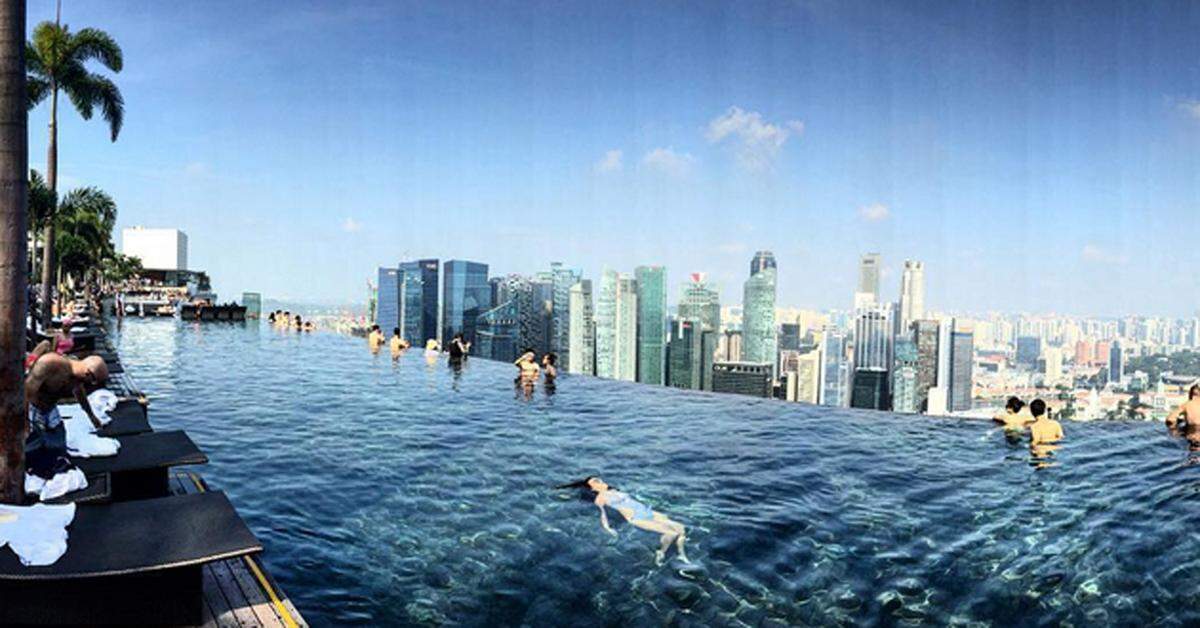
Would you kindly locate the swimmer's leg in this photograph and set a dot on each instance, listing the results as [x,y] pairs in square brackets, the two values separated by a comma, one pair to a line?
[680,534]
[668,532]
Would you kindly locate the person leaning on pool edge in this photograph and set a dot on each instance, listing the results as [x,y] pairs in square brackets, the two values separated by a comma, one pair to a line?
[1188,410]
[636,513]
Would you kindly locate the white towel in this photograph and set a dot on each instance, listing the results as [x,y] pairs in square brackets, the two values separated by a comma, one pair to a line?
[37,534]
[82,441]
[57,486]
[103,398]
[74,412]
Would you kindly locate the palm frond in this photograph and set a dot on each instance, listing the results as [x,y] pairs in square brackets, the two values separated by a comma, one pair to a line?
[36,90]
[93,43]
[87,90]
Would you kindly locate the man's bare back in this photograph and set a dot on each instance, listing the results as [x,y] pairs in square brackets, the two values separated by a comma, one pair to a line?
[1189,411]
[54,377]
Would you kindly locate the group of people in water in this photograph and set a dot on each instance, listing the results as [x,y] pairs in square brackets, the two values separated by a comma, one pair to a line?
[281,319]
[458,348]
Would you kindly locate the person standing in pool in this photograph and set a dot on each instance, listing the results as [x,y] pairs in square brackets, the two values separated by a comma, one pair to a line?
[637,514]
[528,367]
[375,339]
[397,344]
[458,349]
[1044,430]
[1189,410]
[549,370]
[1012,419]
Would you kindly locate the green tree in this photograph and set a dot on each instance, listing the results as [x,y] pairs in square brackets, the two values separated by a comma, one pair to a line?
[42,202]
[57,62]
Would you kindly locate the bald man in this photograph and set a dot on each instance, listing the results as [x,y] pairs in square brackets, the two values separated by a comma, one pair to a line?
[53,377]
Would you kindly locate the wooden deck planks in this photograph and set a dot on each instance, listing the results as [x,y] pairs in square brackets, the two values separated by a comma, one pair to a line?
[233,597]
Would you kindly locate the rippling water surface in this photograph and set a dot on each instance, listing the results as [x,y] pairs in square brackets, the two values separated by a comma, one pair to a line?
[403,493]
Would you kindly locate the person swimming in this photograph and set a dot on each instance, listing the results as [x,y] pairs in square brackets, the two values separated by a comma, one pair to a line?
[549,370]
[636,513]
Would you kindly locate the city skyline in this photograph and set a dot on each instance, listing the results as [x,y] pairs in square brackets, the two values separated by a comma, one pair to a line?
[1028,162]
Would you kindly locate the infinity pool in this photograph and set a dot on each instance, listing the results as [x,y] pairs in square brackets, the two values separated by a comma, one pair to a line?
[407,494]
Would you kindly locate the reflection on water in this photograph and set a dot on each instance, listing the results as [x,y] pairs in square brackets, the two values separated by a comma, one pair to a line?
[402,493]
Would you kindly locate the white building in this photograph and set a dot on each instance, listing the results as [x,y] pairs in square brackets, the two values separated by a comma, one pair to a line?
[912,294]
[158,249]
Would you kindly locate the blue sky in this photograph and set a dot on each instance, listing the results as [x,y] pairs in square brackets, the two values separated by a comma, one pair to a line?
[1037,156]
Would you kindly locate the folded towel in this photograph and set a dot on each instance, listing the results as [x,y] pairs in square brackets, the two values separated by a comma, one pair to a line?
[63,482]
[37,534]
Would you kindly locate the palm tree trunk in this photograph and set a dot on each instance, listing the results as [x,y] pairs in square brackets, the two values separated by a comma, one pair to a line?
[52,183]
[14,177]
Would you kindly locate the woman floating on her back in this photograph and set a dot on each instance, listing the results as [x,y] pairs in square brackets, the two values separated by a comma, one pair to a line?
[636,513]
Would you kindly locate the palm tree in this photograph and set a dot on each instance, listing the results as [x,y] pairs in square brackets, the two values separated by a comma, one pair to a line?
[14,168]
[41,207]
[84,224]
[56,62]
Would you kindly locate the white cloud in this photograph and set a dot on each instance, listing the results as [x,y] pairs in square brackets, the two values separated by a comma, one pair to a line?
[755,142]
[667,161]
[874,212]
[610,162]
[1098,255]
[350,225]
[1190,107]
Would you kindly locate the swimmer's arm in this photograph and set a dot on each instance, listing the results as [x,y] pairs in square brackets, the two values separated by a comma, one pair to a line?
[42,348]
[1174,416]
[604,521]
[82,400]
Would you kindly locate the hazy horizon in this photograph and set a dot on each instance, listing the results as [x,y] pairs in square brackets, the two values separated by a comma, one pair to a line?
[1037,157]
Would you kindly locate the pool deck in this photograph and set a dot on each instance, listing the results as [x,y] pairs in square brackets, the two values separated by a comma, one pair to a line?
[239,591]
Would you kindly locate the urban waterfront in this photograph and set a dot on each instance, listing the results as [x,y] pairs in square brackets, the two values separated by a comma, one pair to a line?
[406,493]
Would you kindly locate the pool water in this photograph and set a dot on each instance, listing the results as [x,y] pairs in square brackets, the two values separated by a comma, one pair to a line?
[404,493]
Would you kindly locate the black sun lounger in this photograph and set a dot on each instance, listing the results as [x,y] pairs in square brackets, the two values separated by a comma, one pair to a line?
[139,470]
[128,418]
[97,492]
[128,563]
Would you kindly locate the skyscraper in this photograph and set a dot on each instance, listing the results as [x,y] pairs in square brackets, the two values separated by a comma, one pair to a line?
[836,369]
[868,275]
[465,296]
[419,300]
[700,302]
[651,323]
[561,281]
[616,327]
[1116,363]
[758,322]
[962,349]
[801,372]
[685,350]
[519,320]
[872,357]
[905,377]
[762,261]
[582,331]
[497,332]
[912,294]
[387,305]
[925,333]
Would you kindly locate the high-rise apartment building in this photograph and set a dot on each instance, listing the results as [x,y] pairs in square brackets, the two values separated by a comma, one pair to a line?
[582,330]
[651,323]
[1029,349]
[905,367]
[465,296]
[836,369]
[912,294]
[686,348]
[1116,363]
